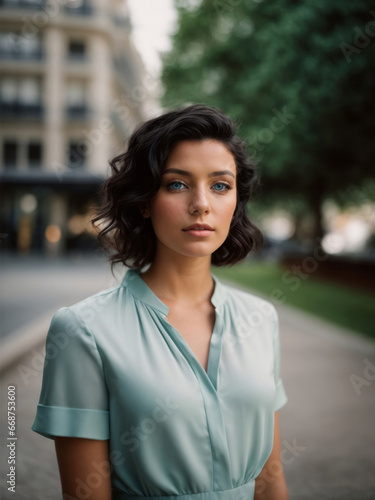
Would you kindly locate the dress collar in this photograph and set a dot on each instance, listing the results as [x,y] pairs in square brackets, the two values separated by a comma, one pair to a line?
[143,292]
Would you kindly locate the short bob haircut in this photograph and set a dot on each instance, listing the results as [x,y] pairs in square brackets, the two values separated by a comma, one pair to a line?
[124,233]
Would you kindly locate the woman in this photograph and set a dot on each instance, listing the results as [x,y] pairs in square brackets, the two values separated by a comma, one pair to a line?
[167,386]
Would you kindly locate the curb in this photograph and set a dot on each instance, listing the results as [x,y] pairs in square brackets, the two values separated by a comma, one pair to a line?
[19,342]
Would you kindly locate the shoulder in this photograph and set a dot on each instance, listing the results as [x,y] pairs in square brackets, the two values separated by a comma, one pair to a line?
[249,303]
[83,312]
[100,297]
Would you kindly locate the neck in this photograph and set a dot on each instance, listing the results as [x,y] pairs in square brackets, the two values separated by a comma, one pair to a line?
[187,282]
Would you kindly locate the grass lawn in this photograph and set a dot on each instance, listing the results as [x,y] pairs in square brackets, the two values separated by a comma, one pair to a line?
[343,305]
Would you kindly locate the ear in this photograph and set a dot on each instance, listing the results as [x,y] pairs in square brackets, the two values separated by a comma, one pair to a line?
[145,211]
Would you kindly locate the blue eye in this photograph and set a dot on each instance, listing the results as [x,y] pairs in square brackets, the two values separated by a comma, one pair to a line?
[226,186]
[174,182]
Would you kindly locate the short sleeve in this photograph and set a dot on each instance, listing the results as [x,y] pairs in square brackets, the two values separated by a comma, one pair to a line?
[281,397]
[74,397]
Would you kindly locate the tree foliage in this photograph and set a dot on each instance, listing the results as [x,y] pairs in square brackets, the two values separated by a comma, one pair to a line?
[299,79]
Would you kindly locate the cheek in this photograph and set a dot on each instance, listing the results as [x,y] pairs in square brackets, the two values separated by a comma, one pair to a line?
[164,210]
[226,207]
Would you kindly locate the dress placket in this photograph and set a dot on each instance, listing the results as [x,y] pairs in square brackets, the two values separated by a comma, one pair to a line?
[208,381]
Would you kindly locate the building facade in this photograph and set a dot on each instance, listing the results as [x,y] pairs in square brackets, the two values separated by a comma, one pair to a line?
[71,91]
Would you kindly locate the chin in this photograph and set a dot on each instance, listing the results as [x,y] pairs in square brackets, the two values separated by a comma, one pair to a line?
[199,251]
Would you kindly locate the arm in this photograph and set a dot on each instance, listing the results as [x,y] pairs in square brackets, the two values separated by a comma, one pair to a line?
[270,484]
[84,468]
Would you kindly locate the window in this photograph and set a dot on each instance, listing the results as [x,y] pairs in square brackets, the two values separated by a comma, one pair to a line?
[22,90]
[75,99]
[10,154]
[20,97]
[18,46]
[29,91]
[8,90]
[77,154]
[34,154]
[75,93]
[77,50]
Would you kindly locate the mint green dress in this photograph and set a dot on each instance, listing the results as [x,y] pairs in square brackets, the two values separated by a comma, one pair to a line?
[116,369]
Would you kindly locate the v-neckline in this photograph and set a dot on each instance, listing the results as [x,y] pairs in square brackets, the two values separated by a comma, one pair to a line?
[141,290]
[214,352]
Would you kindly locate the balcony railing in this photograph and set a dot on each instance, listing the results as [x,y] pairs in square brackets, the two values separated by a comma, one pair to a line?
[10,164]
[21,110]
[34,165]
[121,21]
[76,58]
[19,55]
[77,112]
[23,4]
[85,9]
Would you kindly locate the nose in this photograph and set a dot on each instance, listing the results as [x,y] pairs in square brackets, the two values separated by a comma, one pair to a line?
[199,201]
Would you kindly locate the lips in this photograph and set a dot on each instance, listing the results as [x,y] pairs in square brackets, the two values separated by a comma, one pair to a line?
[198,227]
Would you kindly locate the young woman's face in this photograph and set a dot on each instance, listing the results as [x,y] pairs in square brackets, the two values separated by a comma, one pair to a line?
[203,190]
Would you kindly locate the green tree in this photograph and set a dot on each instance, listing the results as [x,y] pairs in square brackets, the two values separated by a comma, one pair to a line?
[298,77]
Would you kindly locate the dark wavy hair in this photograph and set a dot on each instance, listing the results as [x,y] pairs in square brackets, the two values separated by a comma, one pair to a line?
[124,233]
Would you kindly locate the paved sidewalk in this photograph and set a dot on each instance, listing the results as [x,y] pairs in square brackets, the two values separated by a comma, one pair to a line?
[331,410]
[32,286]
[327,426]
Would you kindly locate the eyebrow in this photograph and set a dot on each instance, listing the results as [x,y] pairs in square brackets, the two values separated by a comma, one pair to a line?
[188,174]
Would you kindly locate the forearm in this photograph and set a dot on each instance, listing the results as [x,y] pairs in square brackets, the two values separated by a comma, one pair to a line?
[84,468]
[271,488]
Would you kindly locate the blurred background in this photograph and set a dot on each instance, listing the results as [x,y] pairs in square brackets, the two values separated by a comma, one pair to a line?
[77,76]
